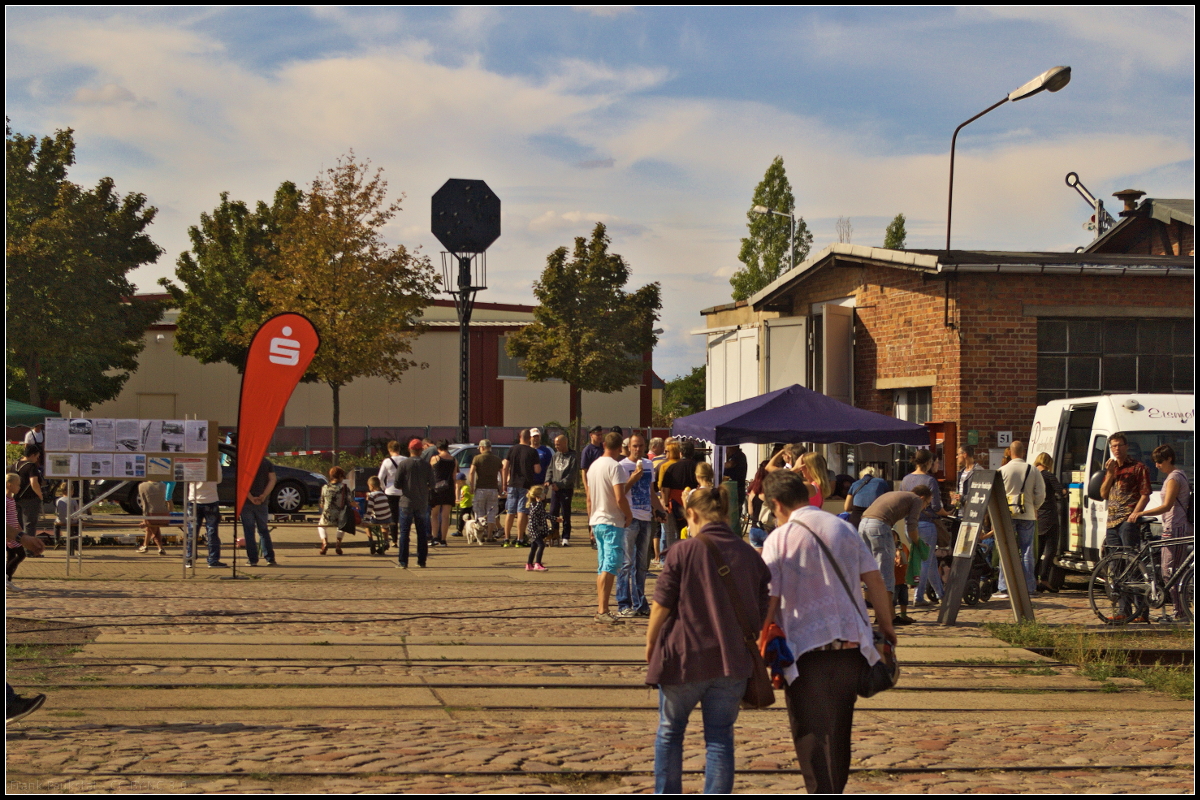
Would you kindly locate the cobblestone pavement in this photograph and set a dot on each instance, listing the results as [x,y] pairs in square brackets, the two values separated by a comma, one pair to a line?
[1005,744]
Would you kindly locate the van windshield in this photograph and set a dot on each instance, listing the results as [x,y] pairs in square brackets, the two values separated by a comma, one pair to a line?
[1142,444]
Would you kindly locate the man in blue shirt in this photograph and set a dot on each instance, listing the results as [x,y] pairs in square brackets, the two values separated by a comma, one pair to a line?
[645,505]
[545,454]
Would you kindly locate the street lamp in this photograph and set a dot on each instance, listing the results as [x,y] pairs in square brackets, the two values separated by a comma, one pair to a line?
[1050,81]
[792,240]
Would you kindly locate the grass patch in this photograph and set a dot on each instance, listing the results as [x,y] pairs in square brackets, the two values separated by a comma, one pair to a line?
[25,651]
[1103,656]
[89,678]
[1042,671]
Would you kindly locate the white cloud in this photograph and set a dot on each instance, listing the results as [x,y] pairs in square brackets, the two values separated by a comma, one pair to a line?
[107,95]
[604,11]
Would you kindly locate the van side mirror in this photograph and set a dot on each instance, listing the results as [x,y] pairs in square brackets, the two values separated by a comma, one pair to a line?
[1094,485]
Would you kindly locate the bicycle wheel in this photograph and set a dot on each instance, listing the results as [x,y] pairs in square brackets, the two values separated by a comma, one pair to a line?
[1108,592]
[1187,595]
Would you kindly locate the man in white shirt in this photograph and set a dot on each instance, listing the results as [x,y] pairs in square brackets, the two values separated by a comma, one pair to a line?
[645,505]
[387,479]
[1026,491]
[208,514]
[608,514]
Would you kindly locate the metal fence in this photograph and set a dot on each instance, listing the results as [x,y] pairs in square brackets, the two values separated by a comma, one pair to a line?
[372,440]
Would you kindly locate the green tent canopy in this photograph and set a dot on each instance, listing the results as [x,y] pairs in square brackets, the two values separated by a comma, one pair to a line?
[17,413]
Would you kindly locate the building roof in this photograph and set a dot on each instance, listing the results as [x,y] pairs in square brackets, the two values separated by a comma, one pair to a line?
[1165,211]
[939,262]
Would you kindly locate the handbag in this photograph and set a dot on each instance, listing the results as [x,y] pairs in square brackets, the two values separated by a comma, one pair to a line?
[759,691]
[349,518]
[883,674]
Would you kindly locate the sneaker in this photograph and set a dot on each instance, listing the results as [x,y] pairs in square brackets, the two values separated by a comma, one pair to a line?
[142,549]
[643,612]
[218,565]
[8,584]
[252,564]
[162,552]
[566,543]
[270,563]
[21,707]
[1000,596]
[402,566]
[529,567]
[539,568]
[625,613]
[338,550]
[607,618]
[902,619]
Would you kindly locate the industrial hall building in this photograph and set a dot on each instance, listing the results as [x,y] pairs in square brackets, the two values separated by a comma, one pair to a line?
[970,341]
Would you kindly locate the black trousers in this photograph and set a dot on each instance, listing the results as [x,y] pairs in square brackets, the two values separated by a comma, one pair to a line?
[394,526]
[15,556]
[560,503]
[820,704]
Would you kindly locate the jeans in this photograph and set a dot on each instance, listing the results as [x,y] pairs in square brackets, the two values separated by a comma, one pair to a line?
[719,699]
[29,512]
[631,578]
[407,517]
[255,517]
[560,505]
[1124,535]
[208,515]
[882,543]
[930,576]
[1025,530]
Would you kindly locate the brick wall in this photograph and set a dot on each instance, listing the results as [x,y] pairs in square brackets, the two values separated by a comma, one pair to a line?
[986,367]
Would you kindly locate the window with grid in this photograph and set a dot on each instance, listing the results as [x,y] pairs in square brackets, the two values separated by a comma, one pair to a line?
[1081,357]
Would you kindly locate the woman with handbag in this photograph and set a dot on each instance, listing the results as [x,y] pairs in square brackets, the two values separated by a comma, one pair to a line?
[335,501]
[701,645]
[817,562]
[441,498]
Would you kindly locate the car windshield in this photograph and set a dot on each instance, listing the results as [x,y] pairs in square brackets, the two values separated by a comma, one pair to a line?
[1142,444]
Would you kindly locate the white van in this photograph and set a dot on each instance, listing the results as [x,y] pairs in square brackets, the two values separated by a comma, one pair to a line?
[1075,433]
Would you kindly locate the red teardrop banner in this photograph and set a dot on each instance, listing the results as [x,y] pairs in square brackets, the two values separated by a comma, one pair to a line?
[279,355]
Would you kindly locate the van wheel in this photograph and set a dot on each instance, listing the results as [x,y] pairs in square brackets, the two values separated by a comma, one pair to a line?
[288,498]
[131,504]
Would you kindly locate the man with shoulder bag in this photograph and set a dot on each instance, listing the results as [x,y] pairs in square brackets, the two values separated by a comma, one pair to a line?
[824,619]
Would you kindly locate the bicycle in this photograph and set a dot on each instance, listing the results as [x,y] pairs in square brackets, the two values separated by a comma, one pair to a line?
[1126,584]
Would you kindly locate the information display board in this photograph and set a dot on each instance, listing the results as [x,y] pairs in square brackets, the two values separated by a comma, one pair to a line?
[986,497]
[132,449]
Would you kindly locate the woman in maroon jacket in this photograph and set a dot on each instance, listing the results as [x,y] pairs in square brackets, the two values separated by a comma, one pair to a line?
[695,646]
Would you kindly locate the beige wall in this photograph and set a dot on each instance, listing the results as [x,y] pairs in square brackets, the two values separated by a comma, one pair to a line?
[618,408]
[206,391]
[529,403]
[167,380]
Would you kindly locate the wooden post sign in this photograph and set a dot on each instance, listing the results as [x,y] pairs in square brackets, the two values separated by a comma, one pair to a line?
[986,498]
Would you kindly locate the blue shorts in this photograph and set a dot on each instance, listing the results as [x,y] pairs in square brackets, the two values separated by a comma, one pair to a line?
[610,547]
[758,537]
[517,502]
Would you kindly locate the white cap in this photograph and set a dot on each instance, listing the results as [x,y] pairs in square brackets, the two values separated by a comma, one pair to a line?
[535,431]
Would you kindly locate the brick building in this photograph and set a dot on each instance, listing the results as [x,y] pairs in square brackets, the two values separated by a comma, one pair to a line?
[974,338]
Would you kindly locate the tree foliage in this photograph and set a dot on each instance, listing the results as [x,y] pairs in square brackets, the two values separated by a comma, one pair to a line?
[216,301]
[766,252]
[587,329]
[682,395]
[73,332]
[895,235]
[329,262]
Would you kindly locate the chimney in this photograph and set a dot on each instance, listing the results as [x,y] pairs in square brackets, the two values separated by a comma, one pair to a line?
[1130,197]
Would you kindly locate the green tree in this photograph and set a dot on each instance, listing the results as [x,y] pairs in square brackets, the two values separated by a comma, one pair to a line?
[895,235]
[766,252]
[216,302]
[682,395]
[330,262]
[587,330]
[74,331]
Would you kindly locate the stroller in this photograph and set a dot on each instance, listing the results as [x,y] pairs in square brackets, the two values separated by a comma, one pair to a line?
[982,579]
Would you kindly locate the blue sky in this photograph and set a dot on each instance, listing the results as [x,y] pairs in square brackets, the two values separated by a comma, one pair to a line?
[658,122]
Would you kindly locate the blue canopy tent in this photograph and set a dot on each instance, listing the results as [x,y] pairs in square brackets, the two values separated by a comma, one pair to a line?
[796,414]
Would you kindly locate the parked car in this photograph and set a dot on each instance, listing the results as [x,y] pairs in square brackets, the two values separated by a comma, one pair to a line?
[464,454]
[294,488]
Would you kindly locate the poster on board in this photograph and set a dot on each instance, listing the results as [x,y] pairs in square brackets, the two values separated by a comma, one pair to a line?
[160,467]
[95,465]
[79,435]
[172,436]
[62,465]
[128,436]
[195,436]
[191,470]
[57,438]
[151,436]
[129,465]
[104,435]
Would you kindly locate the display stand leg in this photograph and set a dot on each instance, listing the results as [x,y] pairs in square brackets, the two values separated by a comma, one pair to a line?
[233,576]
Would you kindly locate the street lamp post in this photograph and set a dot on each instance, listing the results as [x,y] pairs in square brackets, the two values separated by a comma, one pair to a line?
[792,240]
[1050,81]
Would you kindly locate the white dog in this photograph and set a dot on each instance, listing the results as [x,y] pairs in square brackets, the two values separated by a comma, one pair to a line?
[473,530]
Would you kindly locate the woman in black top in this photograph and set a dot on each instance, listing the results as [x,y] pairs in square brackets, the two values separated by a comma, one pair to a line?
[1048,521]
[441,498]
